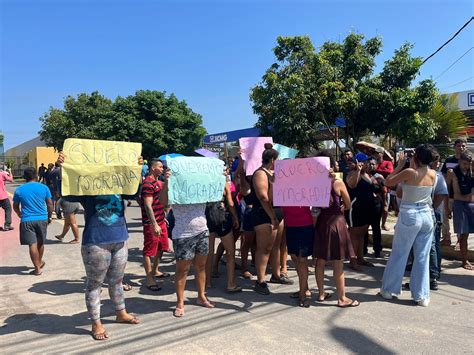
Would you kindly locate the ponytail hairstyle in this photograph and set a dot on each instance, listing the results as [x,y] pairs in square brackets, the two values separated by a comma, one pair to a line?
[269,154]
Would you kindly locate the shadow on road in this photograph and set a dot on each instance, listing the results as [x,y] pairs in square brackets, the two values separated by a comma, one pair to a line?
[58,287]
[357,342]
[14,270]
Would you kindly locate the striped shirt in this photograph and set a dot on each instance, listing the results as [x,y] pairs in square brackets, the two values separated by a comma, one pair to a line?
[151,188]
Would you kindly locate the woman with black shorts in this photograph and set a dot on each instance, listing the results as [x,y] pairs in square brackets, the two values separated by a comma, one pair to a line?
[221,218]
[248,237]
[362,193]
[266,221]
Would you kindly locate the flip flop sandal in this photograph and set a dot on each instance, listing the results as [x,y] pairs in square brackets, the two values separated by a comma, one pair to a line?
[305,303]
[74,241]
[33,272]
[100,336]
[163,275]
[133,320]
[296,294]
[327,295]
[154,288]
[60,239]
[206,304]
[234,289]
[178,312]
[353,303]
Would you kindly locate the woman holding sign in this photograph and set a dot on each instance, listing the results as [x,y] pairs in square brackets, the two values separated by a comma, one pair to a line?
[266,221]
[104,253]
[333,242]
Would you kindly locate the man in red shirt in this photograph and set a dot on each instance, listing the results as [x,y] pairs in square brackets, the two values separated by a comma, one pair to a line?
[6,176]
[384,167]
[154,198]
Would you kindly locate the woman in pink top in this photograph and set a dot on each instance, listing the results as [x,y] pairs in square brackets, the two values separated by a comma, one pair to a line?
[299,239]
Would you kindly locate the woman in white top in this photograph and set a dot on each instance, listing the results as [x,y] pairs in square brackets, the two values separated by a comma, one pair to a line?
[414,228]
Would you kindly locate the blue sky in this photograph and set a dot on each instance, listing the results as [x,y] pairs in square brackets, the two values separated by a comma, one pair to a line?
[209,53]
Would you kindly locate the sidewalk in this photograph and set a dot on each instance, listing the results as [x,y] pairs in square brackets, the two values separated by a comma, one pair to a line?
[46,314]
[447,252]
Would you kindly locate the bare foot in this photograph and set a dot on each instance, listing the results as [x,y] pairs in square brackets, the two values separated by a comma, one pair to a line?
[99,332]
[467,265]
[247,275]
[347,302]
[124,317]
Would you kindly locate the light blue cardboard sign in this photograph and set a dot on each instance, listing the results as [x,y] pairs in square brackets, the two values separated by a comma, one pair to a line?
[195,180]
[285,152]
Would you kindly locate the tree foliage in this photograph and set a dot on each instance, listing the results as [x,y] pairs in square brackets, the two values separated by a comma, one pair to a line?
[449,122]
[163,124]
[306,89]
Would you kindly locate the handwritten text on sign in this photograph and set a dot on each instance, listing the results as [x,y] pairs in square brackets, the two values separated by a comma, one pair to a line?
[195,180]
[93,167]
[302,182]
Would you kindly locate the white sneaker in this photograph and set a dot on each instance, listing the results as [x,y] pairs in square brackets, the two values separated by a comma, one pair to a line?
[423,303]
[386,295]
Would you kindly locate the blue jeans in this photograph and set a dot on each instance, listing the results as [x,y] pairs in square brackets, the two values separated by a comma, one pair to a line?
[435,252]
[414,229]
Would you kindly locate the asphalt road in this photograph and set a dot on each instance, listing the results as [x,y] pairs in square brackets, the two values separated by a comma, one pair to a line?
[46,314]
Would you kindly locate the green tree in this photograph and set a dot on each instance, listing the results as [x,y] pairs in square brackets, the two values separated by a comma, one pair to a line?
[449,122]
[308,89]
[162,123]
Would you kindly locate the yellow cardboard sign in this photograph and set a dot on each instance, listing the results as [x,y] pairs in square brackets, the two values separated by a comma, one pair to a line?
[93,167]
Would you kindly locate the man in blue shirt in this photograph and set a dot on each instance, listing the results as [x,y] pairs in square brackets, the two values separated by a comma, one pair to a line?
[32,202]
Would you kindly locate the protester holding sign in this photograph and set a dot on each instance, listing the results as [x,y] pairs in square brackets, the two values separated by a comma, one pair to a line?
[194,182]
[299,238]
[266,221]
[104,240]
[333,242]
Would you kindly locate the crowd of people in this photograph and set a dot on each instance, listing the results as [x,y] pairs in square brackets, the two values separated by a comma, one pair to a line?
[361,196]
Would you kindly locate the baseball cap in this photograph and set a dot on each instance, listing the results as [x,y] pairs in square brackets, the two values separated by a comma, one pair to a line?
[361,157]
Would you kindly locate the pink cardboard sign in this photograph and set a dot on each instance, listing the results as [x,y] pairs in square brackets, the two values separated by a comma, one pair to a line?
[302,182]
[251,150]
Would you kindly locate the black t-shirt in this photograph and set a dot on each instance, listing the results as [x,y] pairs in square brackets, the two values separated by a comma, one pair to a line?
[464,181]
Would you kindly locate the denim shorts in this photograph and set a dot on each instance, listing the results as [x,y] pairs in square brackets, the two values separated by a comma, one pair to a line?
[188,248]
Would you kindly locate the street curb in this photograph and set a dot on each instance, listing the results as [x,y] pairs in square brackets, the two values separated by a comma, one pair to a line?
[446,252]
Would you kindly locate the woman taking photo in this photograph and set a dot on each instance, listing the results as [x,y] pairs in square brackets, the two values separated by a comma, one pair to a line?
[414,228]
[266,221]
[361,190]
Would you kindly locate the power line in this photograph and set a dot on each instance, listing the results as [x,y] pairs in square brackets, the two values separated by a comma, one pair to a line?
[449,40]
[450,86]
[457,60]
